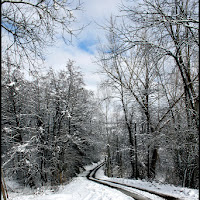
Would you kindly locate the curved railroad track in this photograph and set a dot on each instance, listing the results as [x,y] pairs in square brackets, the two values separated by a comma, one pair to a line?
[129,190]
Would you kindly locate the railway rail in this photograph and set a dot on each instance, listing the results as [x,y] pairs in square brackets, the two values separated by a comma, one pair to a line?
[134,192]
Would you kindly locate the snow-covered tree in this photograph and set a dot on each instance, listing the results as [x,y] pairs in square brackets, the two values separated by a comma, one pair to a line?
[152,55]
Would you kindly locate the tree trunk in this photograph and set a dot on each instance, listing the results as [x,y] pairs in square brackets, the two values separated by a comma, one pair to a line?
[108,163]
[3,187]
[154,160]
[129,127]
[136,160]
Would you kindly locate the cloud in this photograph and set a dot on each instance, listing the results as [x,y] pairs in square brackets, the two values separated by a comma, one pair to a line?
[96,9]
[84,47]
[59,55]
[96,13]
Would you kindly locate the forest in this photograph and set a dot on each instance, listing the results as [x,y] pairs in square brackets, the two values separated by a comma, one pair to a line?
[144,119]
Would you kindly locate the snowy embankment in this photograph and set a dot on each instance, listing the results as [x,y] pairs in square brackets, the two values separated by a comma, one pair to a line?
[82,189]
[78,189]
[179,192]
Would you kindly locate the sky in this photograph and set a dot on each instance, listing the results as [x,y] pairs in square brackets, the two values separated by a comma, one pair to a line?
[84,48]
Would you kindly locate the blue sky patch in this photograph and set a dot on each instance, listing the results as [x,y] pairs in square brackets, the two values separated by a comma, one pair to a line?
[9,26]
[86,45]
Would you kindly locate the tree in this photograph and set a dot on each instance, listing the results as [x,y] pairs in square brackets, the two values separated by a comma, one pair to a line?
[30,26]
[172,28]
[126,72]
[48,126]
[142,54]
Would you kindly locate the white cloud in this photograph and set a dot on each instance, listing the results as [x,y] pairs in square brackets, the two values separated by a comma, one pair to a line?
[95,11]
[58,57]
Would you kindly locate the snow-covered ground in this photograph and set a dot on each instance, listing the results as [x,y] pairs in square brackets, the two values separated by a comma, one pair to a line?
[179,192]
[82,189]
[78,189]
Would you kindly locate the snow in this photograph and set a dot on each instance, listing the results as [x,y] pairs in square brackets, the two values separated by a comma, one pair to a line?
[82,189]
[79,189]
[66,112]
[179,192]
[22,147]
[41,129]
[7,130]
[11,84]
[151,196]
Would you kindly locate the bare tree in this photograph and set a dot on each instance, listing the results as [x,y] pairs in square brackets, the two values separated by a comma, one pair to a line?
[153,45]
[172,28]
[28,27]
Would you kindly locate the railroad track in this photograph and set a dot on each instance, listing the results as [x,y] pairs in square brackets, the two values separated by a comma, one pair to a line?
[134,192]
